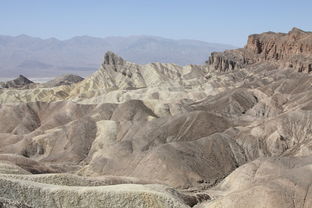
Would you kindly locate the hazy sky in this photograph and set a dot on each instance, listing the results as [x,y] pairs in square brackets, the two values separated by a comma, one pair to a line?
[222,21]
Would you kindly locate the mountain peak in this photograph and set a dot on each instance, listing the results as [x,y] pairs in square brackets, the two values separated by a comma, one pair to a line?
[66,79]
[296,30]
[111,58]
[22,80]
[22,77]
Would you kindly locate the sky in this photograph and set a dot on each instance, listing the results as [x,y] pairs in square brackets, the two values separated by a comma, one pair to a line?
[217,21]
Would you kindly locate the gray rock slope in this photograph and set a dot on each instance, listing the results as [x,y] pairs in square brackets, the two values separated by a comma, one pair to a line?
[19,82]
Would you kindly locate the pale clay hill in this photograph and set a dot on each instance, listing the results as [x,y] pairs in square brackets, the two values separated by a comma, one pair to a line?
[235,132]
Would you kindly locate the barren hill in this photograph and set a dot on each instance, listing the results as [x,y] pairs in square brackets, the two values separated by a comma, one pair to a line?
[235,132]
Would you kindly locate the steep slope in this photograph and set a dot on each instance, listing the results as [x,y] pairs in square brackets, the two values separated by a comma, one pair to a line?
[20,82]
[116,73]
[273,182]
[291,50]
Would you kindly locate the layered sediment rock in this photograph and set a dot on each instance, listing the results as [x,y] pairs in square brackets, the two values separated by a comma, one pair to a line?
[290,50]
[228,60]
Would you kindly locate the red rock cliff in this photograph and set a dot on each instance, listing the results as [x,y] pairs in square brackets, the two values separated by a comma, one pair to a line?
[292,49]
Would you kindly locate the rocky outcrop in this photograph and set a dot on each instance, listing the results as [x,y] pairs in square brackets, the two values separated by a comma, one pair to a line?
[67,79]
[20,82]
[288,50]
[228,60]
[293,49]
[111,58]
[117,74]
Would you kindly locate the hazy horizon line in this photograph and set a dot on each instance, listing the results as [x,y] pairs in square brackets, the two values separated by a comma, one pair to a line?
[118,36]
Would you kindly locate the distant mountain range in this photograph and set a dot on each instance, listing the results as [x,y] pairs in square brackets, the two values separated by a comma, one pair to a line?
[35,57]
